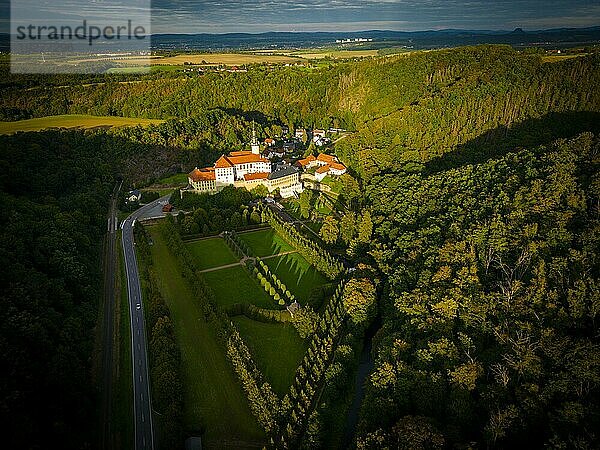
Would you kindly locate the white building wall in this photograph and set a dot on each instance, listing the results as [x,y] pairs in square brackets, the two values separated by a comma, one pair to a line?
[225,175]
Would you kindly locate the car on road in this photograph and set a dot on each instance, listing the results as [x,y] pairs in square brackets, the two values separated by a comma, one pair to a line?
[138,306]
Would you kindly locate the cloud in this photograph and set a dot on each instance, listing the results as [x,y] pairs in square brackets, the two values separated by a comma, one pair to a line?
[218,16]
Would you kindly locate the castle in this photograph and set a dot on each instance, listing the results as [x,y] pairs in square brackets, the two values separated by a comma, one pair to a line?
[246,169]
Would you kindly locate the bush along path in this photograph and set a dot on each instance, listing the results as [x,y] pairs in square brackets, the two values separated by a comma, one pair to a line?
[313,253]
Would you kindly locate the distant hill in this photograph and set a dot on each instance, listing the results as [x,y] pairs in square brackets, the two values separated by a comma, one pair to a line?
[381,39]
[563,37]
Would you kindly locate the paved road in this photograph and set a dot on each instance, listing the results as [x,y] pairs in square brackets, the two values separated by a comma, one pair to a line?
[142,405]
[108,325]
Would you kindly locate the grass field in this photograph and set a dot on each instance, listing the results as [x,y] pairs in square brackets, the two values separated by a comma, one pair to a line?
[265,242]
[209,253]
[559,58]
[335,54]
[213,399]
[297,274]
[334,183]
[226,59]
[72,121]
[235,285]
[277,350]
[174,180]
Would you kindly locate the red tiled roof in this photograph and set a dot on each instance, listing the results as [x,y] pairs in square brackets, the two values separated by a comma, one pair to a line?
[269,140]
[205,174]
[338,166]
[256,176]
[242,153]
[246,158]
[323,169]
[326,158]
[223,162]
[306,161]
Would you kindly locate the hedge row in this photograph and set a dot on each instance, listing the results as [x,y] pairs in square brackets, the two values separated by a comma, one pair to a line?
[312,252]
[271,284]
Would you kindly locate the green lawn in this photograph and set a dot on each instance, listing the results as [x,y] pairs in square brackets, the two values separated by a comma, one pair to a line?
[276,348]
[71,121]
[334,183]
[177,179]
[265,242]
[236,285]
[209,253]
[297,274]
[213,399]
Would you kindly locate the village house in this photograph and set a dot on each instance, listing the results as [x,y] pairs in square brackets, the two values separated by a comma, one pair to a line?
[133,196]
[334,168]
[325,164]
[307,163]
[289,146]
[318,135]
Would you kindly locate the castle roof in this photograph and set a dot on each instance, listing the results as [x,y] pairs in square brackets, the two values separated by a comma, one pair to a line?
[236,158]
[326,158]
[337,166]
[223,162]
[256,176]
[306,161]
[246,158]
[323,169]
[204,174]
[283,172]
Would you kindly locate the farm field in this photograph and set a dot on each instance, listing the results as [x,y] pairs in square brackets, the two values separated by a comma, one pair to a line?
[276,348]
[235,285]
[209,253]
[72,121]
[213,398]
[265,242]
[226,59]
[335,54]
[297,274]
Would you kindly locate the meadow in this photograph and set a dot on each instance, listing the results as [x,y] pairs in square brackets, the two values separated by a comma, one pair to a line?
[235,285]
[72,121]
[213,398]
[265,242]
[210,253]
[297,274]
[277,350]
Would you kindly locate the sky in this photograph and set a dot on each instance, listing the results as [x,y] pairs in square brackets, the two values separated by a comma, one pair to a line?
[255,16]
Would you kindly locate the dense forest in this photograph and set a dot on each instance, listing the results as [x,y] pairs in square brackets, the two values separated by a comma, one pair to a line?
[490,328]
[54,199]
[475,196]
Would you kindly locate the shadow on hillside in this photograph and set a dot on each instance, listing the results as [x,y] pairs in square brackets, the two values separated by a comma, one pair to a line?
[527,134]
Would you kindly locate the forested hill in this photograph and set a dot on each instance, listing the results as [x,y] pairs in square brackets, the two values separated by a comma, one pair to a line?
[490,328]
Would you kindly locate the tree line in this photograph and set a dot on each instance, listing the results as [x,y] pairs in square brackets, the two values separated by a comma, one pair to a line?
[163,350]
[313,253]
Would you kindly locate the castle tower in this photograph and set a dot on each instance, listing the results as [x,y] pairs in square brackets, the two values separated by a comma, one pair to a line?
[254,144]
